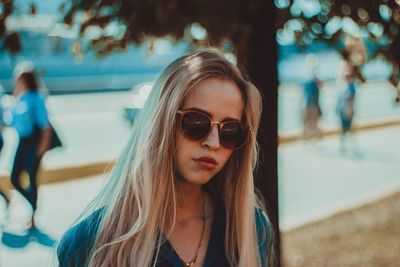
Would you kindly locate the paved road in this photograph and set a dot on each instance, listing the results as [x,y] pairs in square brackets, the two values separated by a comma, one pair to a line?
[60,204]
[318,180]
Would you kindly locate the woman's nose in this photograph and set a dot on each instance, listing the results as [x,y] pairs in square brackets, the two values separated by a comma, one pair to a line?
[212,139]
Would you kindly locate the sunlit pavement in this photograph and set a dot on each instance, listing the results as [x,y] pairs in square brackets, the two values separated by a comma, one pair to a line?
[315,181]
[59,206]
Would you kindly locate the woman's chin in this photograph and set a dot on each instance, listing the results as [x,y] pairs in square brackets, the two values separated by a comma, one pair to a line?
[195,181]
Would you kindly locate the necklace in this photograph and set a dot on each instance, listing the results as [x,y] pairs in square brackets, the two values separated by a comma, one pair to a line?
[193,261]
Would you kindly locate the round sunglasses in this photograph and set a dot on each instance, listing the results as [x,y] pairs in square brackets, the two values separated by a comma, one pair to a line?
[196,125]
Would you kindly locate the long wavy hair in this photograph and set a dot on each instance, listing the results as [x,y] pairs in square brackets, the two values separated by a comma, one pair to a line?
[140,197]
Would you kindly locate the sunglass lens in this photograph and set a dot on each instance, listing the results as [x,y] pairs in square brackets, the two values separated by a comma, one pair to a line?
[195,125]
[233,135]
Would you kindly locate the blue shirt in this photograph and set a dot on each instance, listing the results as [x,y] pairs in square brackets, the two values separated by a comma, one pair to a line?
[311,94]
[346,98]
[2,123]
[29,112]
[76,245]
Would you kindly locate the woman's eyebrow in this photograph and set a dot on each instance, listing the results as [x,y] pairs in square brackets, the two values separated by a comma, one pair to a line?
[201,110]
[210,115]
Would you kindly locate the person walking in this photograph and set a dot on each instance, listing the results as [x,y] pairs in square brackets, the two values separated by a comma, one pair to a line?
[30,120]
[182,191]
[346,101]
[2,125]
[312,109]
[311,103]
[394,81]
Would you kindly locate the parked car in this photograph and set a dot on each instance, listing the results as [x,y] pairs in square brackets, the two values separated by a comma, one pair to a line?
[138,96]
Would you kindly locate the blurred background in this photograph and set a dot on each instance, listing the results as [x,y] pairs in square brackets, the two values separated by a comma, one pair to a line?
[338,113]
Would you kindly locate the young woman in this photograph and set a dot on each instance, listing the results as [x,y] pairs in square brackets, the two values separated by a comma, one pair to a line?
[182,192]
[30,120]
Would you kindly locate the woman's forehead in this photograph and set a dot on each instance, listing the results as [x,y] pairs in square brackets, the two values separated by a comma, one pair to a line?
[221,98]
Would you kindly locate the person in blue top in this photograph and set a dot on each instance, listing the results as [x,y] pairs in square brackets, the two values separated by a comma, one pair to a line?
[30,120]
[346,99]
[182,192]
[2,124]
[312,108]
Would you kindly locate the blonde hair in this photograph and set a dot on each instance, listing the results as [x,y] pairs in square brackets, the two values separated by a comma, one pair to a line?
[140,195]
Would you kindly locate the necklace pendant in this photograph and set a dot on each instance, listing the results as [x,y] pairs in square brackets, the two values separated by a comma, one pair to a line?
[190,264]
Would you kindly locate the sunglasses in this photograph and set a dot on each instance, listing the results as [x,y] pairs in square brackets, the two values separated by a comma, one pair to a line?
[196,125]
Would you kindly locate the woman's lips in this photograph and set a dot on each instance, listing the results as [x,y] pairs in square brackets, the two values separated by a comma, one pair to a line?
[206,162]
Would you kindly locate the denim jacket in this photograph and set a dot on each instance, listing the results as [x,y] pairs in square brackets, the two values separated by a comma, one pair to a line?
[76,245]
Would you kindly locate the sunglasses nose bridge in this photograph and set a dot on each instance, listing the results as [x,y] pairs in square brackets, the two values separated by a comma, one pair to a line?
[216,135]
[219,127]
[219,124]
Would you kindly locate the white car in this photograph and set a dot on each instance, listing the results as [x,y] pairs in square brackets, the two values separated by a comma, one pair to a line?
[138,96]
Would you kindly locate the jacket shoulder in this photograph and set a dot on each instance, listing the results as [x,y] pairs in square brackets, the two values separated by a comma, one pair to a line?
[76,245]
[264,234]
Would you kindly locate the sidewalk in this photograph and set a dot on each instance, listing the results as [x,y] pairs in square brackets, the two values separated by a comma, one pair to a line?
[314,182]
[59,206]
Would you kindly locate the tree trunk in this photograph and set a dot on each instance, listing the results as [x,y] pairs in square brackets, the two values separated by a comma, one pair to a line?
[260,61]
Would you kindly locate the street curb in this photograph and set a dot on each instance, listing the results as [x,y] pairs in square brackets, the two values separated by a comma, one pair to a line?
[358,127]
[67,173]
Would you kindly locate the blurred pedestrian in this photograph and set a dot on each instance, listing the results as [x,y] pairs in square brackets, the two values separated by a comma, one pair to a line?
[182,192]
[346,101]
[30,119]
[397,91]
[394,81]
[312,109]
[2,125]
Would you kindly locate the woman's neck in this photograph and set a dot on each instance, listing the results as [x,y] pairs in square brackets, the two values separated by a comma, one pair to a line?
[189,201]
